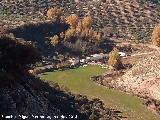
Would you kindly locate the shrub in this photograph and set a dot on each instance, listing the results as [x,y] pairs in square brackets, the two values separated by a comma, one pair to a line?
[156,36]
[114,59]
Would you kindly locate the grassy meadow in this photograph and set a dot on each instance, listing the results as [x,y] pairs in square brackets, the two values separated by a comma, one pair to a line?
[78,81]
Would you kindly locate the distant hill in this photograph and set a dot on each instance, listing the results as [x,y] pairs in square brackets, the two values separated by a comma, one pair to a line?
[123,18]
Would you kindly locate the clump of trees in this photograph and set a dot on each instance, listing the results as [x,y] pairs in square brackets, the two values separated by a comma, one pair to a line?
[16,58]
[115,59]
[156,36]
[80,29]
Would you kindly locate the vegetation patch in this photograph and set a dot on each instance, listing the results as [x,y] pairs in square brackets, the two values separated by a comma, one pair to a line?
[78,81]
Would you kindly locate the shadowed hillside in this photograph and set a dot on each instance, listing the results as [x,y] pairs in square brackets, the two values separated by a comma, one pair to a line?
[39,34]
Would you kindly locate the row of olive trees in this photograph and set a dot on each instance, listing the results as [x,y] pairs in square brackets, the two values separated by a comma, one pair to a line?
[114,57]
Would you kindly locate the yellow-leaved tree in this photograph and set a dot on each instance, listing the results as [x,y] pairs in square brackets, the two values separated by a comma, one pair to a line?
[115,59]
[70,33]
[98,37]
[156,36]
[72,20]
[79,27]
[55,13]
[87,22]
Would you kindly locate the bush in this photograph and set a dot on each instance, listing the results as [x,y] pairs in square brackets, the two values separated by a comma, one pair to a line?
[115,59]
[156,36]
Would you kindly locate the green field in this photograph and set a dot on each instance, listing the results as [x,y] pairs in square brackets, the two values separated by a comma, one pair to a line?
[78,81]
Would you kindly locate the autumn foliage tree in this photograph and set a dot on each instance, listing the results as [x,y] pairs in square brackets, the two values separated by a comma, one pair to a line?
[115,59]
[87,22]
[156,36]
[69,34]
[80,29]
[55,13]
[72,20]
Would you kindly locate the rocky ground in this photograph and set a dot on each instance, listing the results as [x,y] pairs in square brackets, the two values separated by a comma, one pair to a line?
[143,78]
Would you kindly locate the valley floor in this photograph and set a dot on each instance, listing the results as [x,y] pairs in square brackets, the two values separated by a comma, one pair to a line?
[78,81]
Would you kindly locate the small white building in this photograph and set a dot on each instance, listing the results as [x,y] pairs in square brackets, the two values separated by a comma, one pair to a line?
[122,54]
[98,56]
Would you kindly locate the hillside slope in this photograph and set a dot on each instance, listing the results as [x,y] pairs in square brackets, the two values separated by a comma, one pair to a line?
[122,18]
[24,94]
[143,78]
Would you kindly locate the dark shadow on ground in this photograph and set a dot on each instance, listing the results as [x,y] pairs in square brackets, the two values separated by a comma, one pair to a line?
[39,35]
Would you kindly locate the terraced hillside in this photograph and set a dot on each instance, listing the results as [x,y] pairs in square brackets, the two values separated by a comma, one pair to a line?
[124,18]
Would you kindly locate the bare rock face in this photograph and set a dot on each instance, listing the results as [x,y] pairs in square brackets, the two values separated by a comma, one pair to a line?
[143,78]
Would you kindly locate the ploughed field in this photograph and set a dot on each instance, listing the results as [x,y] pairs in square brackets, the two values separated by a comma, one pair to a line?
[78,81]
